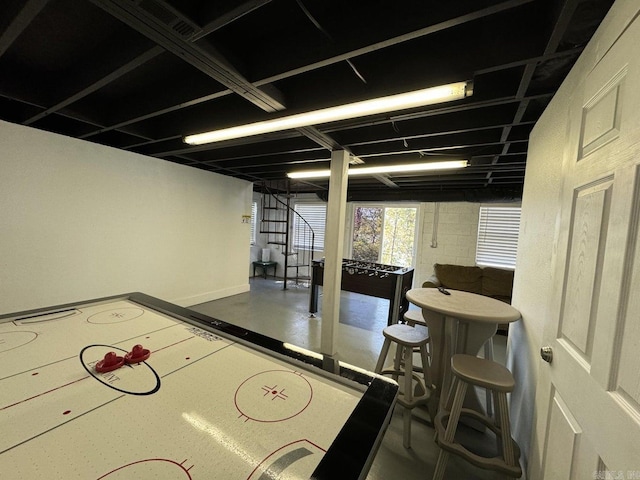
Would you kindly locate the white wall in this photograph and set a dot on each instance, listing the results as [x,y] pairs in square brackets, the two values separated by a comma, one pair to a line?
[80,220]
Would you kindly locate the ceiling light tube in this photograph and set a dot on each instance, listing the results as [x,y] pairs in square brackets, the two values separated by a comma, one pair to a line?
[418,98]
[310,174]
[412,167]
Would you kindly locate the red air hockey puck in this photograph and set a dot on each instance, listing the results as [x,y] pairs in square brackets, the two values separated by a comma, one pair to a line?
[110,362]
[137,355]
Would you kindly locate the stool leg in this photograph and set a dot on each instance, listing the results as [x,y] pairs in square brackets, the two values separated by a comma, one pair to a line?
[408,393]
[383,355]
[502,410]
[397,361]
[426,369]
[498,419]
[448,403]
[488,355]
[432,408]
[452,424]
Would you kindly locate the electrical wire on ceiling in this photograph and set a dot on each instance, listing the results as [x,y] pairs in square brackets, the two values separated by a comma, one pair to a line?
[326,34]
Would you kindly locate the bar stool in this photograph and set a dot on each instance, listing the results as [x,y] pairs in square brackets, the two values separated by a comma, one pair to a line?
[406,339]
[414,317]
[469,370]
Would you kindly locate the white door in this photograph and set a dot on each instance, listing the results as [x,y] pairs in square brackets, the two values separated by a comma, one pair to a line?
[588,397]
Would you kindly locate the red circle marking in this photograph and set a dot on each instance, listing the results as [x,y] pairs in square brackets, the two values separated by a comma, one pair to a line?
[171,462]
[256,386]
[66,412]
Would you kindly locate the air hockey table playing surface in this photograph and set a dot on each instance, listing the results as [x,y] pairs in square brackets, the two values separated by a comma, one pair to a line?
[211,401]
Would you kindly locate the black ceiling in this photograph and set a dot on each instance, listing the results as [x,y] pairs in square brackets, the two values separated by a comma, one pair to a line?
[138,75]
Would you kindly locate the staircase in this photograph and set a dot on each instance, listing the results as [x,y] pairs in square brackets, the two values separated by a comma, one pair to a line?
[283,226]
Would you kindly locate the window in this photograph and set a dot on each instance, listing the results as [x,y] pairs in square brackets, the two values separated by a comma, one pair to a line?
[316,216]
[384,234]
[254,220]
[498,236]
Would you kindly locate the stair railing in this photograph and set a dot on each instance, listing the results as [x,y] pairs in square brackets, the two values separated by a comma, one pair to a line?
[297,237]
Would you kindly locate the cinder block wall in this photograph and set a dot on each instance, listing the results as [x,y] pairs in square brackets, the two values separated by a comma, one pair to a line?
[454,241]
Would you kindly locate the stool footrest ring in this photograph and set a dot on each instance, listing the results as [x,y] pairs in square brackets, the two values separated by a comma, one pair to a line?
[489,463]
[416,400]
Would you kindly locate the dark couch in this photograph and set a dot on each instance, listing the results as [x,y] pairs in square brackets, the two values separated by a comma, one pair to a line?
[489,281]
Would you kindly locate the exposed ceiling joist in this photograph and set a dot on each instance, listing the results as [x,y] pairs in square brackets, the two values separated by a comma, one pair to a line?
[139,75]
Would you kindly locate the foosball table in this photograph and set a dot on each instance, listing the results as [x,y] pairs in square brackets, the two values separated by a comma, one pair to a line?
[368,278]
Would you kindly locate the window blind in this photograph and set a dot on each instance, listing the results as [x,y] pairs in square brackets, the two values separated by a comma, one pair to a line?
[497,243]
[316,215]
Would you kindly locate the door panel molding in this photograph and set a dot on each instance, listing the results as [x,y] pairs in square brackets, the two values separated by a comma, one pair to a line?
[602,116]
[587,241]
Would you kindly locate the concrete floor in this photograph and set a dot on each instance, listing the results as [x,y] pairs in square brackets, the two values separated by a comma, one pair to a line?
[284,315]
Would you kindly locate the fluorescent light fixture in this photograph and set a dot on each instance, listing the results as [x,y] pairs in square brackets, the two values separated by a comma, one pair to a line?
[392,103]
[310,174]
[412,167]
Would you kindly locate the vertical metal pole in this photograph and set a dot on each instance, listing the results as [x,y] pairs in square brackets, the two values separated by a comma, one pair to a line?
[285,248]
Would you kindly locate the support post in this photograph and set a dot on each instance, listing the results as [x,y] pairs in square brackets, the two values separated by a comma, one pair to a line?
[333,252]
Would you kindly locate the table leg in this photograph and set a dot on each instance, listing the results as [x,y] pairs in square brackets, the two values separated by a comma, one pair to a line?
[313,299]
[470,338]
[440,351]
[450,336]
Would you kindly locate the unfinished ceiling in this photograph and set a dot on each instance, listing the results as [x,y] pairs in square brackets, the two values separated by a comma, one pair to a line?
[140,75]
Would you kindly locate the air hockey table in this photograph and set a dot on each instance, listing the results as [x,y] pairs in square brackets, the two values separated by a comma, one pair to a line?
[131,386]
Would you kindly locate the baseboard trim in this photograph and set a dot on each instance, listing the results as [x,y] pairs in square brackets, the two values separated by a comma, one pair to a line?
[210,296]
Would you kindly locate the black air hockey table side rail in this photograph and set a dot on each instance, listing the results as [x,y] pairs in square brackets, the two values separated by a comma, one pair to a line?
[353,450]
[368,278]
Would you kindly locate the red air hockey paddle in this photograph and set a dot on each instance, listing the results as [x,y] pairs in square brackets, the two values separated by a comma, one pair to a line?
[110,362]
[137,355]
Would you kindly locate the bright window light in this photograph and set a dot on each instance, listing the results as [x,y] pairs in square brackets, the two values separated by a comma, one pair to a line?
[392,103]
[413,167]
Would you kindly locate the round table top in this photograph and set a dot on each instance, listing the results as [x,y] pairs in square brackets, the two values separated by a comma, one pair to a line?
[464,305]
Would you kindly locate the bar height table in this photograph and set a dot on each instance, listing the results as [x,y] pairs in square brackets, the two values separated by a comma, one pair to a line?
[460,322]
